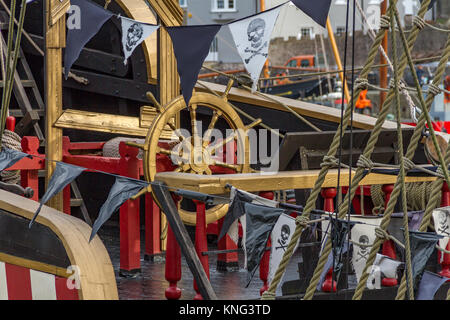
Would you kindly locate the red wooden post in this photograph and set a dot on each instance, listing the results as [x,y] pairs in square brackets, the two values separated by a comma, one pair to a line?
[29,178]
[265,261]
[388,246]
[66,200]
[173,262]
[328,195]
[226,261]
[130,245]
[152,228]
[445,264]
[201,244]
[11,123]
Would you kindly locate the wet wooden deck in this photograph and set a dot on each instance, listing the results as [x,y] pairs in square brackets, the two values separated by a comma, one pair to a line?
[150,284]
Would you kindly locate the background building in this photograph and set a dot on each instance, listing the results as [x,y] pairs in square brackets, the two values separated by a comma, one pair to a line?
[219,11]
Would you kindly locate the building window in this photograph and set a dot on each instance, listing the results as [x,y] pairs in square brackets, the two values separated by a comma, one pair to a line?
[340,31]
[306,32]
[183,3]
[213,51]
[340,2]
[224,5]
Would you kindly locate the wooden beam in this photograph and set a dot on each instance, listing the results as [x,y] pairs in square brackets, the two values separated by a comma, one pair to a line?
[303,108]
[55,34]
[255,182]
[164,197]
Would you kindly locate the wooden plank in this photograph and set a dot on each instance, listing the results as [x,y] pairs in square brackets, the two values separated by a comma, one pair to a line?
[104,122]
[255,182]
[164,197]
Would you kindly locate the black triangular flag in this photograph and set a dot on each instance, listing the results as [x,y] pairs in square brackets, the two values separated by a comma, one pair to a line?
[191,46]
[422,245]
[316,10]
[260,221]
[122,190]
[62,175]
[85,21]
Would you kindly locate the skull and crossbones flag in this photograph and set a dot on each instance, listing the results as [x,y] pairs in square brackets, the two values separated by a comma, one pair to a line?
[316,10]
[133,34]
[252,38]
[89,17]
[441,218]
[281,237]
[363,234]
[191,46]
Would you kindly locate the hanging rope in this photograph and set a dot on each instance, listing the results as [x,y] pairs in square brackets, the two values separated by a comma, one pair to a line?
[413,143]
[310,204]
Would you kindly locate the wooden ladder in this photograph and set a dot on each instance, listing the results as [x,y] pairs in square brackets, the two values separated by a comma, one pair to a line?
[28,97]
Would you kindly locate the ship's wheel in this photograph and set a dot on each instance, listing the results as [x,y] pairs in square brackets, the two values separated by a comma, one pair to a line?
[193,150]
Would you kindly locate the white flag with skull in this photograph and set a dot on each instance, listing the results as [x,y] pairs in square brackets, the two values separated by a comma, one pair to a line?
[363,234]
[252,38]
[133,34]
[281,237]
[441,217]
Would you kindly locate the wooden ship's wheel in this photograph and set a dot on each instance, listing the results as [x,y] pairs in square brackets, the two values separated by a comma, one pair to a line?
[193,150]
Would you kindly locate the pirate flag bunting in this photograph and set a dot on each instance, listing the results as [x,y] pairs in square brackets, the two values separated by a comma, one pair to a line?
[84,21]
[441,218]
[9,157]
[191,46]
[316,10]
[236,209]
[422,245]
[252,38]
[133,34]
[363,234]
[429,285]
[122,190]
[281,237]
[260,221]
[63,175]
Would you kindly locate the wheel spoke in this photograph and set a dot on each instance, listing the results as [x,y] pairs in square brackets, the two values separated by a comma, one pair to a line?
[163,151]
[208,133]
[226,165]
[221,144]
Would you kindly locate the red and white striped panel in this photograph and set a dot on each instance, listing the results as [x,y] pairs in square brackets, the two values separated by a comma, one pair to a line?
[19,283]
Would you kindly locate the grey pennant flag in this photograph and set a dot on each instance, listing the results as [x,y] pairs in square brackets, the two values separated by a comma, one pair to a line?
[63,175]
[429,284]
[122,190]
[9,157]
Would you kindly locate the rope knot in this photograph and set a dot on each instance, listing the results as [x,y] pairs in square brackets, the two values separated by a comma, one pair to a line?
[401,85]
[365,163]
[330,162]
[361,83]
[385,22]
[267,295]
[434,89]
[302,221]
[382,234]
[408,164]
[419,22]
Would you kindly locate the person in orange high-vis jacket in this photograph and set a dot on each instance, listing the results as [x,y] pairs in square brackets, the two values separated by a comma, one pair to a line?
[363,102]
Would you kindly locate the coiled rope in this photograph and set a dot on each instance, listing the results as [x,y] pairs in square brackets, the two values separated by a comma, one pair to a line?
[11,140]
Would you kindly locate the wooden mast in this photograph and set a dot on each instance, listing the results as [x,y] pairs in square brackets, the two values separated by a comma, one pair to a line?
[55,41]
[338,59]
